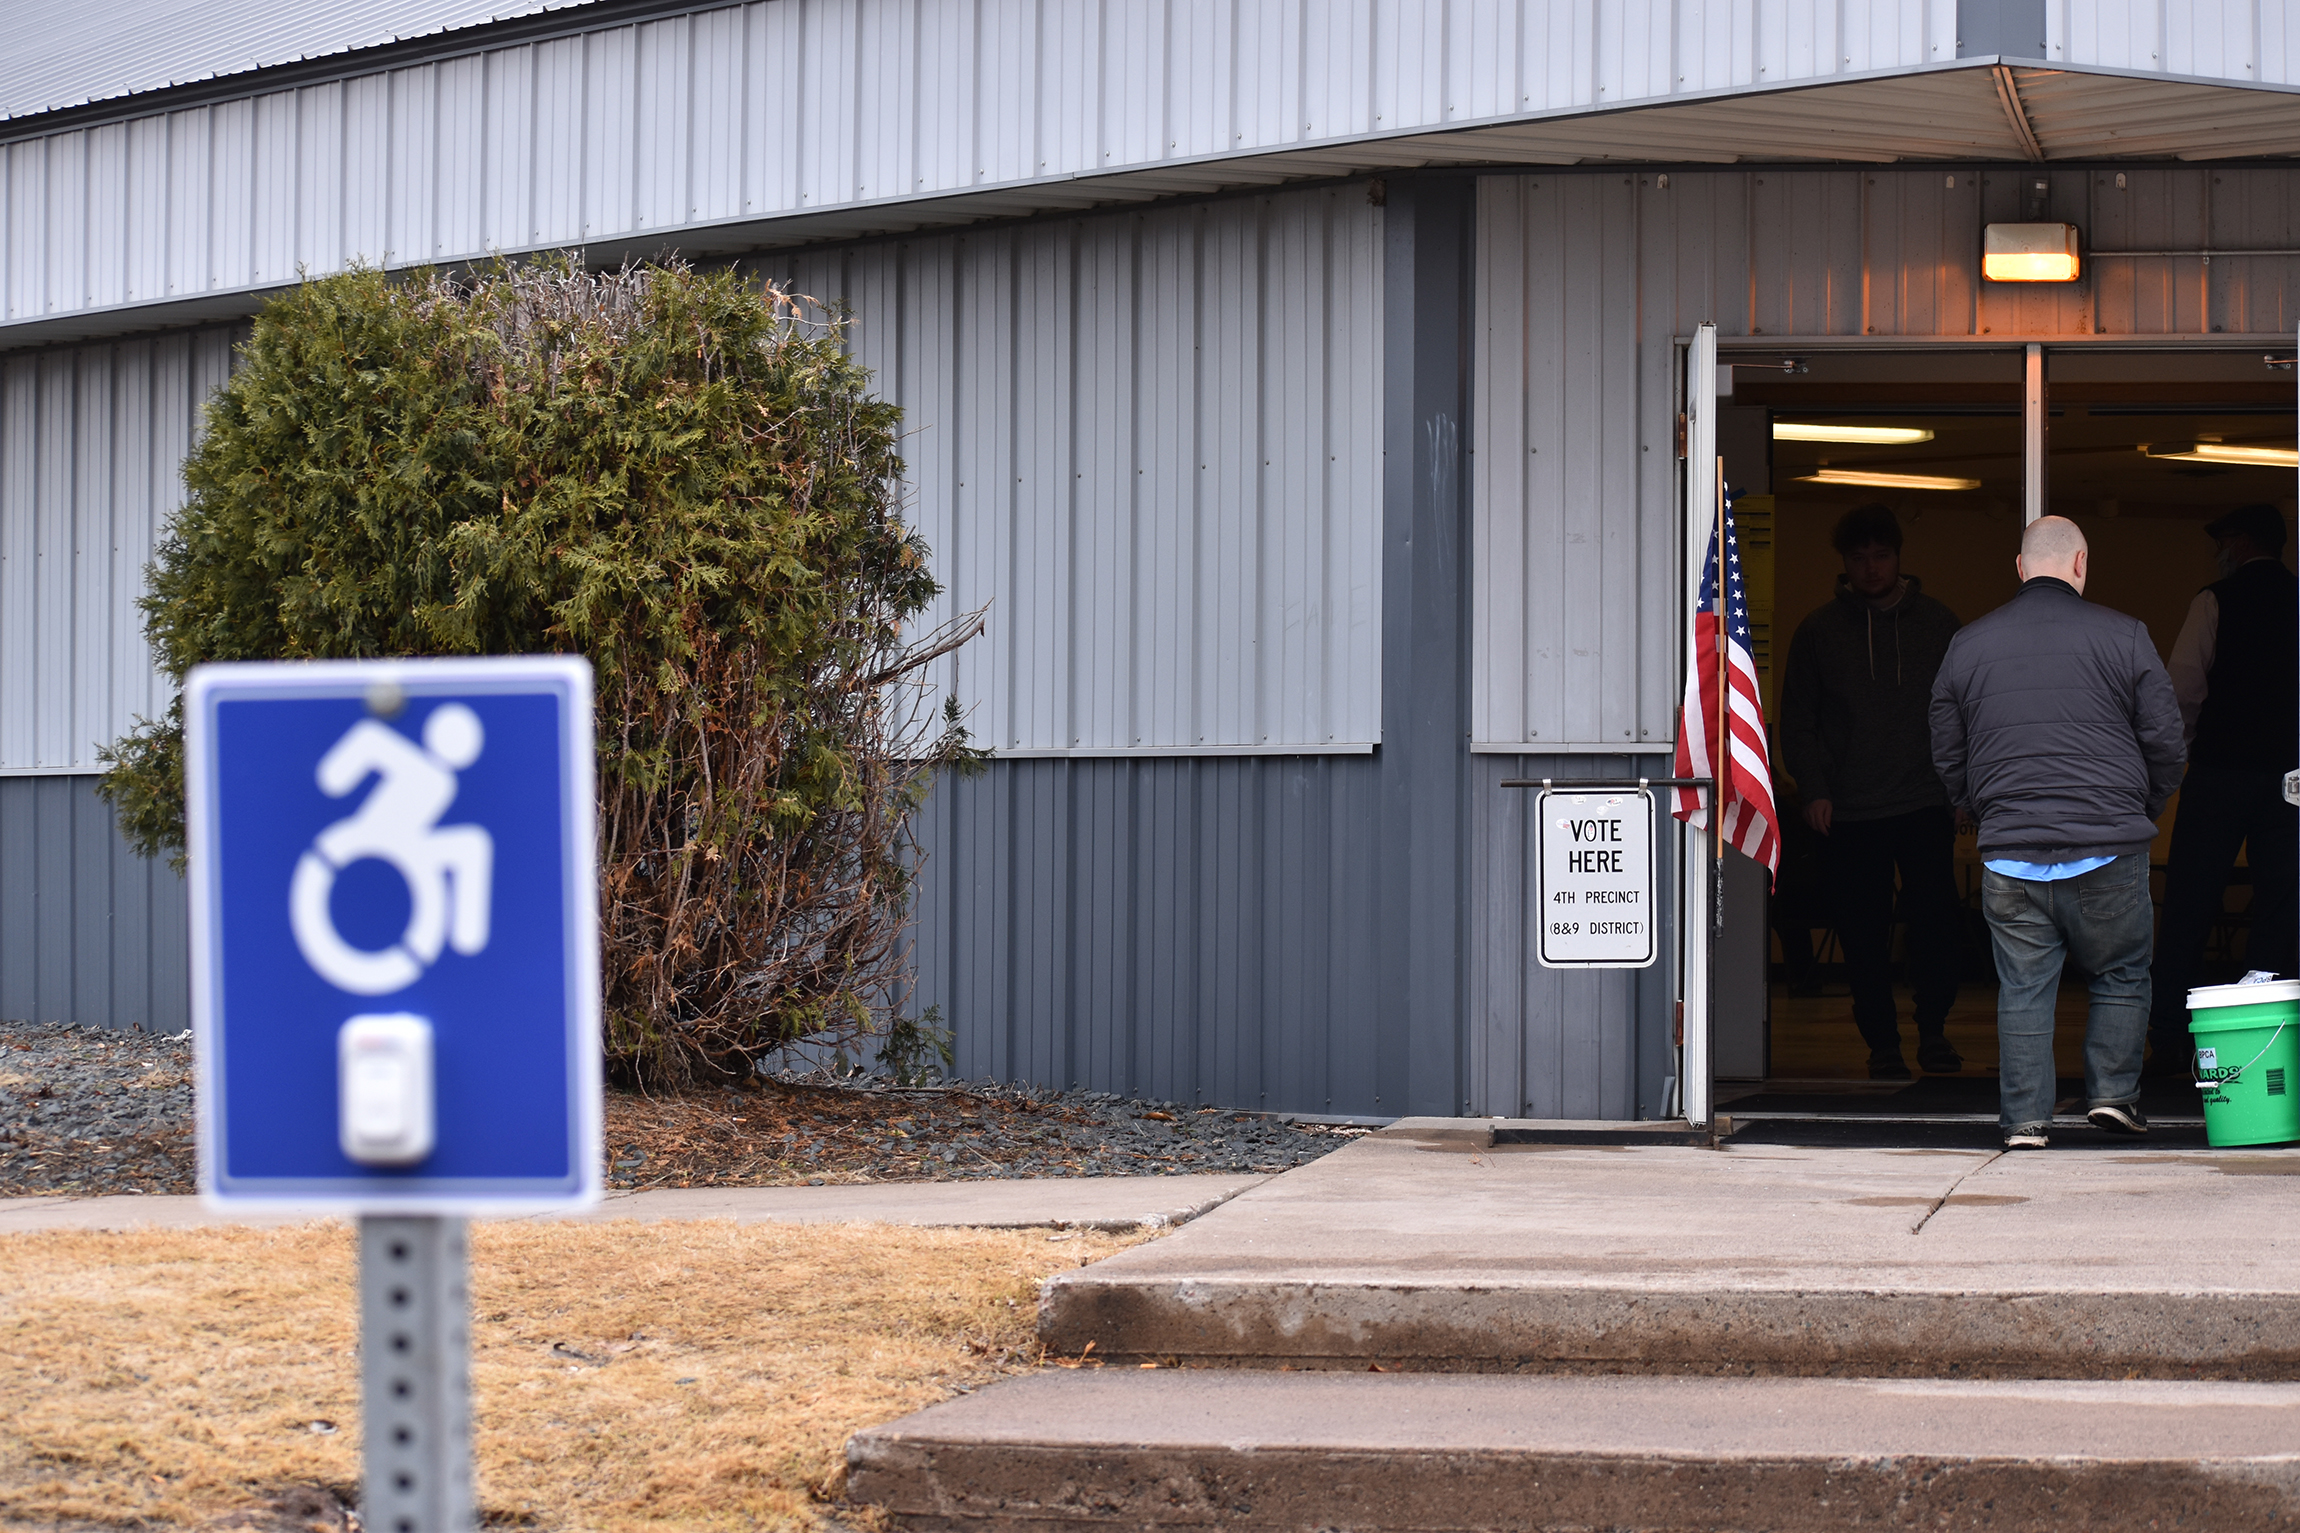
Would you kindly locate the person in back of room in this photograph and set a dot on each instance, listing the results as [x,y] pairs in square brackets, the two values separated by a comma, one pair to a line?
[2236,673]
[1855,737]
[2054,721]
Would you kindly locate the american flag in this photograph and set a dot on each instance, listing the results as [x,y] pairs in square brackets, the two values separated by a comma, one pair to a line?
[1752,824]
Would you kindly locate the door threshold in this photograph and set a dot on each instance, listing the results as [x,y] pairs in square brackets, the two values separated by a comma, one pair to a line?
[1938,1131]
[2069,1120]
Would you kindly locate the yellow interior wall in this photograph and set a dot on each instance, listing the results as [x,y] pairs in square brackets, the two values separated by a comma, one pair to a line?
[2150,567]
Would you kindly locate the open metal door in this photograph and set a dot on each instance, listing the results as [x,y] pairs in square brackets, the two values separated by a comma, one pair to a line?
[1696,861]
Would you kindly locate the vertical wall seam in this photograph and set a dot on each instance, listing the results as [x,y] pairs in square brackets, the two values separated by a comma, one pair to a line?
[1196,563]
[1265,654]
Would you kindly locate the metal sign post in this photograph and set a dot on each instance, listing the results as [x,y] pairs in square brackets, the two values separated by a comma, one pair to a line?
[415,1384]
[395,994]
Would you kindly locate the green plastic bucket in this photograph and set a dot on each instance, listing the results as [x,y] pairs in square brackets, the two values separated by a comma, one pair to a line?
[2248,1061]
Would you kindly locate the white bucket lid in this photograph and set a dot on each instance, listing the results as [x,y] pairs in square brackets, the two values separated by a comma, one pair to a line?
[2244,995]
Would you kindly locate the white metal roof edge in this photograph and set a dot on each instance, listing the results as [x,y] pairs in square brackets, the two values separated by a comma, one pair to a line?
[1220,171]
[100,104]
[578,18]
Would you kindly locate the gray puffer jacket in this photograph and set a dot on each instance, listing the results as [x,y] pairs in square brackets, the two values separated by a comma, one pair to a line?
[2054,721]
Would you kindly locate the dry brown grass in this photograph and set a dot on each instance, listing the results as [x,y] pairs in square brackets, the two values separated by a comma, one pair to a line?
[628,1376]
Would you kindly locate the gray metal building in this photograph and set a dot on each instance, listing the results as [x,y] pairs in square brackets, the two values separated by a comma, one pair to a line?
[1299,382]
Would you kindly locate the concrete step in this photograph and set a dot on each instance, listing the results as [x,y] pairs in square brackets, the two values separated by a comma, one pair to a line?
[1250,1450]
[1439,1245]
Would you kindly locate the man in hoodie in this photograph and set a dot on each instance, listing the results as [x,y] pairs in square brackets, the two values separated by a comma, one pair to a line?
[1854,735]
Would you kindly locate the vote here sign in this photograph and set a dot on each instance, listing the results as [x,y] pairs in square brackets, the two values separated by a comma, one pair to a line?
[1595,856]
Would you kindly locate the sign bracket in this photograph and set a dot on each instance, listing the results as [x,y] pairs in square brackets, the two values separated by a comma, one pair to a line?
[1608,782]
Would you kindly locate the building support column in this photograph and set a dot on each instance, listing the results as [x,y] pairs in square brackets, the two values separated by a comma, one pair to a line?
[1422,861]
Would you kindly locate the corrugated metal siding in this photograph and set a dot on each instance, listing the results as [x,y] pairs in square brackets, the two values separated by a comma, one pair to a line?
[801,105]
[89,932]
[1556,1043]
[1190,930]
[61,56]
[1586,279]
[92,442]
[1206,930]
[1148,443]
[1574,512]
[2215,39]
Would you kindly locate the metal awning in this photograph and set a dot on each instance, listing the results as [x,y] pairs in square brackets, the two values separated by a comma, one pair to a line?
[1974,110]
[1986,110]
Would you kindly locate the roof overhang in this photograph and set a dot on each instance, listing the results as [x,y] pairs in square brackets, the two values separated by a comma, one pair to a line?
[1991,109]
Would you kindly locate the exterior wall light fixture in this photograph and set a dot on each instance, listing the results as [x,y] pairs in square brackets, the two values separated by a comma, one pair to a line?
[2029,252]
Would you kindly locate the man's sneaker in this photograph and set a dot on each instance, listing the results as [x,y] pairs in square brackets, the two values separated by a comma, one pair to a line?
[1935,1056]
[1887,1065]
[2026,1139]
[2118,1118]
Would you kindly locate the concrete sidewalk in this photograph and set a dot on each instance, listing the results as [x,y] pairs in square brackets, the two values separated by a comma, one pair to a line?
[1099,1203]
[1424,1245]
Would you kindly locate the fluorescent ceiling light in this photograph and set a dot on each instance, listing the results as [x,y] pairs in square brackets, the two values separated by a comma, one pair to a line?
[2227,452]
[1877,436]
[1889,481]
[2029,252]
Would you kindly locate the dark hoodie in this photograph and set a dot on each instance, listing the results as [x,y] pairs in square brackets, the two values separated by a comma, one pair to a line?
[1854,701]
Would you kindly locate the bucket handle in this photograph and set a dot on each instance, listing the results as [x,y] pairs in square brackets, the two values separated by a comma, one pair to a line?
[2230,1080]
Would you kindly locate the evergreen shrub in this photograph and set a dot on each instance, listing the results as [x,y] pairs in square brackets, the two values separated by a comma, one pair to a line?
[670,472]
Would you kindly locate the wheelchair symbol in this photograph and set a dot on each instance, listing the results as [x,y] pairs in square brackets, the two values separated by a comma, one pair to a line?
[448,869]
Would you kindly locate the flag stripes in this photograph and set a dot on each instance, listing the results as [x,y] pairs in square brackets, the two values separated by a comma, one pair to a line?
[1751,824]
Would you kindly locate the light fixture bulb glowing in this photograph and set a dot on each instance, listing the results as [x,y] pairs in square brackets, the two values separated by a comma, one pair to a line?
[2029,266]
[1890,481]
[2227,453]
[1875,436]
[2029,252]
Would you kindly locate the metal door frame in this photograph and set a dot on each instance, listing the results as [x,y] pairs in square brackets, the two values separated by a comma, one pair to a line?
[1698,357]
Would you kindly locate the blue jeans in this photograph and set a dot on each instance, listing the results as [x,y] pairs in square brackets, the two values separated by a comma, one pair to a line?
[2102,919]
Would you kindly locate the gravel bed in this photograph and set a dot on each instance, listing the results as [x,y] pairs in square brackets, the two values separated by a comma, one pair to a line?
[87,1110]
[793,1129]
[94,1110]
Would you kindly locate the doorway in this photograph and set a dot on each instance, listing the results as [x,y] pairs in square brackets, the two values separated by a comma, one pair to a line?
[1944,440]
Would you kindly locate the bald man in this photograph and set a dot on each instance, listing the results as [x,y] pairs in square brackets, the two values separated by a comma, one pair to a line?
[2055,724]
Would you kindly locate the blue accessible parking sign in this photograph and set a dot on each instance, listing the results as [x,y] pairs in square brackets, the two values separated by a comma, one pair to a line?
[395,934]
